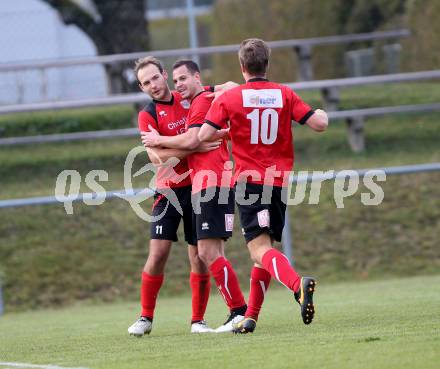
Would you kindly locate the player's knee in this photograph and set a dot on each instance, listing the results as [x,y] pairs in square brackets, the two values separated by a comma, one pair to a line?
[205,256]
[208,252]
[158,258]
[254,257]
[258,247]
[194,258]
[198,266]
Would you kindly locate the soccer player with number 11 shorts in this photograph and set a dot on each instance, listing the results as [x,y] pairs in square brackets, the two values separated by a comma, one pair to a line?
[212,192]
[260,113]
[166,113]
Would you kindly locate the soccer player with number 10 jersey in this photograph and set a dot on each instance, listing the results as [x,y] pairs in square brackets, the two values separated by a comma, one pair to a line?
[258,117]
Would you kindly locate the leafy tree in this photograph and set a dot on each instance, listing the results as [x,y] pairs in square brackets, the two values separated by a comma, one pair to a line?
[369,16]
[114,27]
[286,19]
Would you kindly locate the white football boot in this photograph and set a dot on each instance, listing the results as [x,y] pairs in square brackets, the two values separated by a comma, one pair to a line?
[228,326]
[201,327]
[140,327]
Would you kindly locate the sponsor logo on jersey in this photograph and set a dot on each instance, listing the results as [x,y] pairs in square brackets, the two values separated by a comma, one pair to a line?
[178,124]
[266,98]
[163,113]
[229,222]
[185,104]
[263,218]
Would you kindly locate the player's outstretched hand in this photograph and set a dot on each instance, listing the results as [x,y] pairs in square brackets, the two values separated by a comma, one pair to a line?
[216,94]
[151,138]
[209,146]
[220,89]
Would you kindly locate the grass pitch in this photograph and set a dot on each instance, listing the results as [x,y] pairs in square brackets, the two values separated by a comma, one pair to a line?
[377,324]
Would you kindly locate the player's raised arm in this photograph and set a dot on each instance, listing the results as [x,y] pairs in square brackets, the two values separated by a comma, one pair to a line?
[225,86]
[219,90]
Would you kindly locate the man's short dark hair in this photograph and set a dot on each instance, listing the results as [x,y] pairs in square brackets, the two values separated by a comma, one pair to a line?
[190,65]
[143,62]
[254,56]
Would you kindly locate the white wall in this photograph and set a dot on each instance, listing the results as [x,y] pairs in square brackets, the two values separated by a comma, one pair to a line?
[31,30]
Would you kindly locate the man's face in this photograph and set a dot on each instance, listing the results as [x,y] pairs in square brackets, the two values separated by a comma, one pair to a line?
[153,82]
[186,84]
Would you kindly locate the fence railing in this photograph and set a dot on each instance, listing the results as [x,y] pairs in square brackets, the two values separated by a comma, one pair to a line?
[133,132]
[302,48]
[117,58]
[329,88]
[324,85]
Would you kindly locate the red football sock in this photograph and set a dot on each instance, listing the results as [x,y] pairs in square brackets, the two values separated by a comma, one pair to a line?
[149,290]
[260,280]
[200,287]
[279,267]
[227,282]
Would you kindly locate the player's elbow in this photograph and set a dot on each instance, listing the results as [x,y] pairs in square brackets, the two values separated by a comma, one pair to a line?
[322,125]
[318,121]
[155,157]
[202,136]
[206,133]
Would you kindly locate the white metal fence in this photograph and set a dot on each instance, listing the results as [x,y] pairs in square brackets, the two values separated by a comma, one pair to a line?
[49,80]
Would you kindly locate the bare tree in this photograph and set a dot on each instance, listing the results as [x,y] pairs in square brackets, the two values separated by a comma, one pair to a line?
[114,26]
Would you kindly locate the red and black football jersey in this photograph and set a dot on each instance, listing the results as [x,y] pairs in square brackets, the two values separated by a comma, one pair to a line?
[168,118]
[207,168]
[260,115]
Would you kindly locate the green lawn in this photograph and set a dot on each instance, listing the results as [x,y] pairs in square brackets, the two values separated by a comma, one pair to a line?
[383,324]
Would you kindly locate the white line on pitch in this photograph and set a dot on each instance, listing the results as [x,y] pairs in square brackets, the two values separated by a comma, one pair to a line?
[26,365]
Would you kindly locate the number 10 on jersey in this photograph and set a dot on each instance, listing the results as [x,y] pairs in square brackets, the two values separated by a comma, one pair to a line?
[264,126]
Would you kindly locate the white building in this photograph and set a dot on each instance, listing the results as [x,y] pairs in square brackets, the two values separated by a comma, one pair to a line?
[32,30]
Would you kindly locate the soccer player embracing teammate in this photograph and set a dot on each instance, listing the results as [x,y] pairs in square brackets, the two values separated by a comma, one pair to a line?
[166,113]
[212,193]
[257,115]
